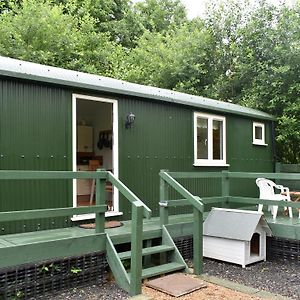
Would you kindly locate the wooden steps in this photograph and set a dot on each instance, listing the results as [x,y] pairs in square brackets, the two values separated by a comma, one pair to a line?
[147,251]
[155,260]
[162,269]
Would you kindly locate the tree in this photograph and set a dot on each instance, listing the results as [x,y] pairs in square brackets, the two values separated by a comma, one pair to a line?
[178,59]
[114,17]
[257,65]
[39,31]
[161,15]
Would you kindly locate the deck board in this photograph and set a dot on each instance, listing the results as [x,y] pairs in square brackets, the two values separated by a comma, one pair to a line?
[283,226]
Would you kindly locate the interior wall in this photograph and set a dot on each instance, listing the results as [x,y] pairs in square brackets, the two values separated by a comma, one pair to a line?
[99,116]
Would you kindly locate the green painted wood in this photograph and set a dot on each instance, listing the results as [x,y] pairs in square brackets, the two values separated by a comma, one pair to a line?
[34,252]
[50,212]
[162,269]
[175,255]
[153,233]
[25,175]
[210,200]
[147,258]
[116,266]
[136,261]
[180,189]
[264,202]
[100,200]
[172,203]
[163,197]
[225,187]
[129,194]
[198,242]
[147,251]
[191,175]
[292,176]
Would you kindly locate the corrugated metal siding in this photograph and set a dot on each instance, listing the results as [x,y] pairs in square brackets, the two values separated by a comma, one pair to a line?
[35,134]
[243,156]
[154,142]
[162,138]
[36,120]
[294,185]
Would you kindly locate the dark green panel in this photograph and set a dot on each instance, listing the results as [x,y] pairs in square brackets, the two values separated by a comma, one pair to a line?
[162,138]
[35,134]
[294,185]
[243,156]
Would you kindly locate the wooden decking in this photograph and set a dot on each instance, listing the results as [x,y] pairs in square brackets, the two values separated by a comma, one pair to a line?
[87,241]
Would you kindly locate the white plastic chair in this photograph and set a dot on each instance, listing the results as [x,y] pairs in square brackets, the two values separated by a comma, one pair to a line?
[267,190]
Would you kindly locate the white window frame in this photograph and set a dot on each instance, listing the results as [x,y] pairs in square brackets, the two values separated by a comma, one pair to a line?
[210,161]
[262,141]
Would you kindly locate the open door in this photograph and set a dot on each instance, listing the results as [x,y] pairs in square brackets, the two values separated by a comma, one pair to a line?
[95,145]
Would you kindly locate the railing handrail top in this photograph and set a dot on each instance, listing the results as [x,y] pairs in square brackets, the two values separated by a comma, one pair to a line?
[229,174]
[41,174]
[59,175]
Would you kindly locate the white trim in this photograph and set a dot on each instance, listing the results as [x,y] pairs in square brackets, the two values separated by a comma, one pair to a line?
[115,151]
[210,161]
[92,216]
[260,142]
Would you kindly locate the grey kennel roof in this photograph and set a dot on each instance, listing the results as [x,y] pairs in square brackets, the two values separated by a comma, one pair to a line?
[233,223]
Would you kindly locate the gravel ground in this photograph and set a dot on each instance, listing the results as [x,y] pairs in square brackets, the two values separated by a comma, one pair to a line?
[278,277]
[107,291]
[110,291]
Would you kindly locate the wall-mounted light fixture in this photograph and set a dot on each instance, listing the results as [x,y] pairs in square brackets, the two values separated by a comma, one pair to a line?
[129,120]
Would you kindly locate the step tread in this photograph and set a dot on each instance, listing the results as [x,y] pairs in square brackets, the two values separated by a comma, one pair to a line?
[162,269]
[147,251]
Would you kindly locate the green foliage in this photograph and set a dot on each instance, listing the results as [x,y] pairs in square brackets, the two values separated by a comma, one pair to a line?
[177,60]
[41,32]
[116,18]
[248,53]
[257,64]
[161,15]
[75,270]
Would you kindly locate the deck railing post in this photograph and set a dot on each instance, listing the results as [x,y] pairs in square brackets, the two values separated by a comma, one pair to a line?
[225,188]
[198,241]
[163,196]
[136,249]
[100,200]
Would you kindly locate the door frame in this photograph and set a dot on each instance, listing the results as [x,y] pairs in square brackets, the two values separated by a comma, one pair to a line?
[115,151]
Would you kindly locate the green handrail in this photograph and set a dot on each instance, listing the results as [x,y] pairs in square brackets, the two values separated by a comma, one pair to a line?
[198,209]
[138,210]
[129,195]
[50,213]
[15,174]
[194,200]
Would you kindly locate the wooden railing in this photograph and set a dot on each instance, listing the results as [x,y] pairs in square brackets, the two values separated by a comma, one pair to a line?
[99,209]
[139,209]
[189,199]
[224,200]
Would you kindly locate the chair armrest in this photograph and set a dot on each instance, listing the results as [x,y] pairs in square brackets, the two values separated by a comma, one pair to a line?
[283,189]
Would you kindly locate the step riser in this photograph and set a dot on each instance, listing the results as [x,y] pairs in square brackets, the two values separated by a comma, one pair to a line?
[162,269]
[147,251]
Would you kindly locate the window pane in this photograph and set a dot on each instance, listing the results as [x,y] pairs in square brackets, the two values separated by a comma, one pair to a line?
[258,133]
[202,138]
[217,139]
